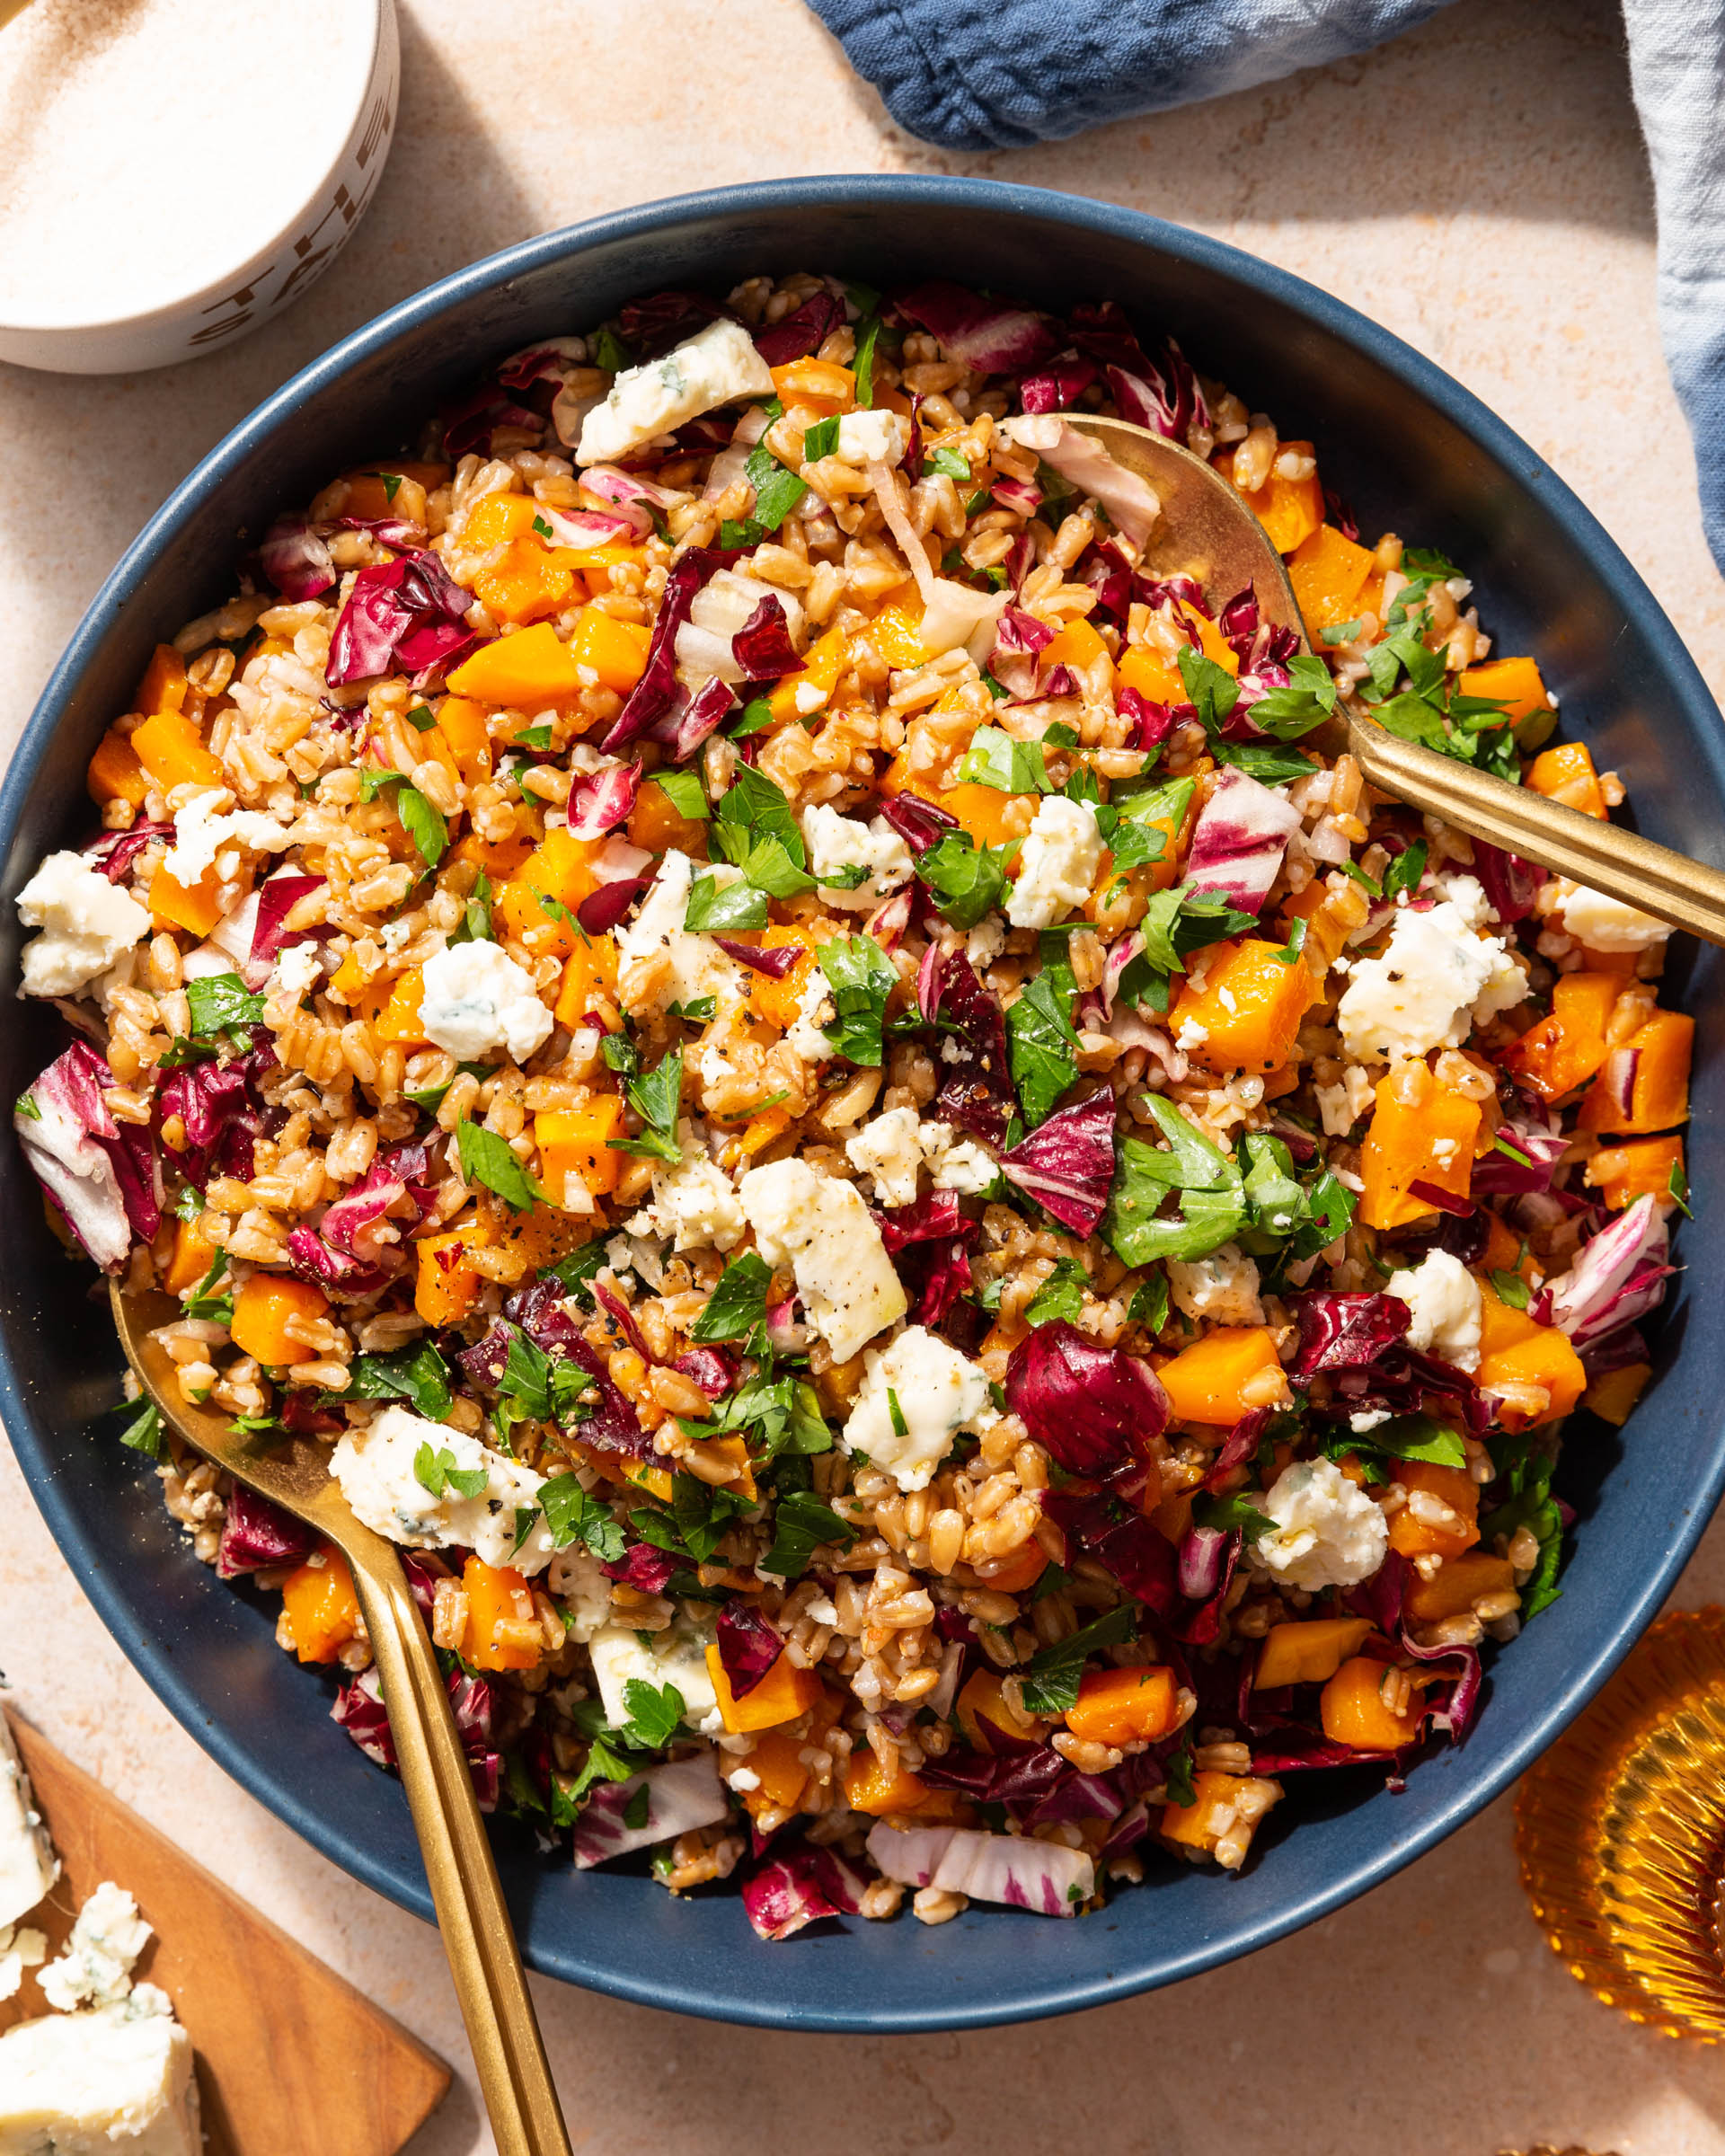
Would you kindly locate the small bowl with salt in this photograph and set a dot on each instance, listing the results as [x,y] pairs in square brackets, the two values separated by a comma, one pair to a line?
[179,171]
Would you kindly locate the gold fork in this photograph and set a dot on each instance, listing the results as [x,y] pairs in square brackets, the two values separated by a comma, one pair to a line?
[1207,532]
[472,1917]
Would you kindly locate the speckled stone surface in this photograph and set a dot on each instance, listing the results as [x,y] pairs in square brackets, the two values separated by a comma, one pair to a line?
[1480,188]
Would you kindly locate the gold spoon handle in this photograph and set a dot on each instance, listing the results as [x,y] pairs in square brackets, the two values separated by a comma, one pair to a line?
[1603,856]
[478,1933]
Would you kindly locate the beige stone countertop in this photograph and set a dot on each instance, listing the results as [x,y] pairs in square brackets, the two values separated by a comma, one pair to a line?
[1480,188]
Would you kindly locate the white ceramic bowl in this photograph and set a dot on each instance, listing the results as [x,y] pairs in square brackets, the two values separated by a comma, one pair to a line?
[279,261]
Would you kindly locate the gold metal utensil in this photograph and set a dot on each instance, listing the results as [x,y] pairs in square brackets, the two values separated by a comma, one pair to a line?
[478,1933]
[1207,532]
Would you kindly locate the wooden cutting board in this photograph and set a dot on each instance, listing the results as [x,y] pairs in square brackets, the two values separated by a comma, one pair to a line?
[289,2055]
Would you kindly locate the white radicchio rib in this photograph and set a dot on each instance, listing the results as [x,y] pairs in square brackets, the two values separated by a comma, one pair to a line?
[1017,1870]
[1132,502]
[1617,1277]
[685,1793]
[1239,839]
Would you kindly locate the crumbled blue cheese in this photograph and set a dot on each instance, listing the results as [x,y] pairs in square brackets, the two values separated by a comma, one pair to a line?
[695,1205]
[1445,1308]
[476,998]
[715,367]
[578,1581]
[1605,924]
[1327,1533]
[87,924]
[956,1164]
[678,1656]
[98,2084]
[296,968]
[875,436]
[814,1012]
[889,1151]
[210,826]
[837,844]
[937,1392]
[819,1226]
[1435,980]
[376,1469]
[1061,852]
[22,1947]
[27,1864]
[1222,1287]
[96,1967]
[696,966]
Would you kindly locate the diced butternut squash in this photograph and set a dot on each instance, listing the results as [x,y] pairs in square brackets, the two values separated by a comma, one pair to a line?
[577,1140]
[1515,1354]
[982,1700]
[1567,1047]
[188,1265]
[656,824]
[781,1776]
[1432,1143]
[1078,646]
[1651,1068]
[1248,1013]
[115,773]
[196,908]
[1456,1584]
[1514,684]
[895,633]
[1623,1173]
[989,816]
[172,752]
[822,383]
[164,683]
[399,1019]
[524,583]
[462,724]
[801,695]
[1307,1653]
[1289,510]
[263,1310]
[446,1288]
[589,977]
[1202,1823]
[778,1001]
[1328,571]
[784,1694]
[1445,1519]
[1565,774]
[1354,1711]
[322,1608]
[525,671]
[497,519]
[868,1788]
[1221,1376]
[560,868]
[497,860]
[1613,1397]
[1121,1706]
[616,651]
[502,1630]
[1151,675]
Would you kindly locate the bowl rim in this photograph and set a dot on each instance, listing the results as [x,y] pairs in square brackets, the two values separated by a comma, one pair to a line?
[1036,1998]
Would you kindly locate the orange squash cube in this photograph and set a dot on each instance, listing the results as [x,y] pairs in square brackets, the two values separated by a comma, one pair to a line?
[524,672]
[1514,1351]
[262,1309]
[1328,571]
[496,519]
[615,650]
[589,977]
[1456,1586]
[1202,1824]
[1623,1173]
[1209,1382]
[1289,510]
[1613,1397]
[322,1606]
[172,750]
[657,824]
[1566,774]
[559,868]
[196,908]
[1309,1652]
[1658,1094]
[399,1019]
[783,1694]
[1121,1706]
[115,773]
[821,383]
[1433,1143]
[1451,1486]
[1567,1047]
[1248,1009]
[444,1288]
[1352,1709]
[868,1788]
[502,1630]
[1078,646]
[578,1141]
[982,1701]
[777,1001]
[1515,684]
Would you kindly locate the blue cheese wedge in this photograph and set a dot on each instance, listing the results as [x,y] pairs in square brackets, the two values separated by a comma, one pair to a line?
[97,2084]
[678,1656]
[27,1864]
[819,1226]
[715,367]
[379,1471]
[916,1399]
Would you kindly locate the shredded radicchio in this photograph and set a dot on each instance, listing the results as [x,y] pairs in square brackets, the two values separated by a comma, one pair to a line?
[980,333]
[1067,1161]
[115,851]
[296,559]
[222,1112]
[255,1534]
[801,332]
[775,962]
[1095,1408]
[1140,1558]
[408,615]
[99,1173]
[748,1646]
[920,824]
[1239,839]
[277,900]
[360,1711]
[799,1885]
[1617,1277]
[977,1094]
[603,801]
[762,647]
[653,696]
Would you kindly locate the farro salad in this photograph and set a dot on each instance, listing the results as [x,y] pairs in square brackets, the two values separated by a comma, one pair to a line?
[949,1248]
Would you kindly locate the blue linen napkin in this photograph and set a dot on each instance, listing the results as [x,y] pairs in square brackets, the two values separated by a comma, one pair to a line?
[980,75]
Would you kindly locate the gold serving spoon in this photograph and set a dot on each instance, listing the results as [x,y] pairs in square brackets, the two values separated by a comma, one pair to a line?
[1207,532]
[478,1933]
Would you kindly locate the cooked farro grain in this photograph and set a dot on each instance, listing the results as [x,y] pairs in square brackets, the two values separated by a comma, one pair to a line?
[931,1224]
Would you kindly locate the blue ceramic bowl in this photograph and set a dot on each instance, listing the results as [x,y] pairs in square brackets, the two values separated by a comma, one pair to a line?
[1416,454]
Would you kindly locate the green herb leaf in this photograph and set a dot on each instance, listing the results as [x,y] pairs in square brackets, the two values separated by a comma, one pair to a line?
[419,1374]
[655,1712]
[203,1303]
[1051,1678]
[685,793]
[1405,871]
[724,908]
[777,492]
[190,1203]
[1413,1437]
[486,1157]
[573,1515]
[1211,690]
[421,718]
[578,1269]
[143,1433]
[868,335]
[1212,1193]
[436,1471]
[948,463]
[1512,1289]
[475,923]
[1676,1186]
[609,351]
[1149,1304]
[801,1524]
[1307,700]
[860,978]
[219,1004]
[1182,1789]
[965,880]
[1229,1513]
[655,1098]
[821,440]
[738,1305]
[1060,1295]
[1041,1046]
[420,820]
[995,759]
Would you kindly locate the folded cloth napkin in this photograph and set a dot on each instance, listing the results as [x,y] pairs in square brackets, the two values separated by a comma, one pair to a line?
[978,74]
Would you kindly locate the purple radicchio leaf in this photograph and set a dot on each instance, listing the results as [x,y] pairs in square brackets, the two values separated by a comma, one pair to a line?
[256,1533]
[799,1885]
[296,559]
[762,647]
[360,1711]
[748,1646]
[1618,1277]
[1239,839]
[978,1093]
[603,801]
[409,614]
[1058,386]
[980,333]
[1020,494]
[687,720]
[920,824]
[277,900]
[1140,1557]
[800,334]
[653,696]
[775,963]
[1067,1163]
[1153,722]
[600,910]
[623,1318]
[681,1796]
[115,851]
[101,1173]
[1095,1408]
[1497,1175]
[713,1369]
[652,325]
[645,1568]
[1510,884]
[221,1111]
[1238,1447]
[1345,1332]
[1207,1560]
